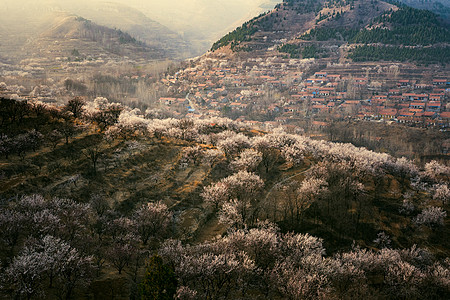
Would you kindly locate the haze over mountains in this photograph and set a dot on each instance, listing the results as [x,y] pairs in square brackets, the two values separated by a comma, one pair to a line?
[177,29]
[202,21]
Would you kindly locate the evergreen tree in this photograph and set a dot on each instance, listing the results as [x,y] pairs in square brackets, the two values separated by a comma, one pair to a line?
[159,282]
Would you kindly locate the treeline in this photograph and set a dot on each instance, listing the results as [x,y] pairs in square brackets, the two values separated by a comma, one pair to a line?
[296,51]
[404,35]
[240,34]
[293,50]
[111,38]
[409,16]
[325,34]
[265,22]
[411,142]
[402,54]
[25,127]
[407,26]
[417,35]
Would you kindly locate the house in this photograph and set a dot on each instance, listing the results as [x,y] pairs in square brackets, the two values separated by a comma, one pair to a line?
[318,124]
[415,111]
[417,105]
[394,92]
[440,82]
[415,97]
[405,119]
[238,105]
[379,99]
[167,101]
[316,80]
[422,86]
[404,83]
[318,108]
[444,119]
[388,113]
[326,91]
[429,114]
[421,97]
[436,97]
[434,106]
[406,114]
[352,102]
[320,74]
[445,115]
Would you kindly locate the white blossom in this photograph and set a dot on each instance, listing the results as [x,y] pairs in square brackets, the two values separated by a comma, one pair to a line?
[431,216]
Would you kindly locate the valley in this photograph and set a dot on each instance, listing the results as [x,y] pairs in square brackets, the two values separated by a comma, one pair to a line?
[304,156]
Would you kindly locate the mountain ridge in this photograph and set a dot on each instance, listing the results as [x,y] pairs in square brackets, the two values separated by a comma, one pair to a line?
[295,24]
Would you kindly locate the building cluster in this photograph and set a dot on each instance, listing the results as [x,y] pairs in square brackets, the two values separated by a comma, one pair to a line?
[279,91]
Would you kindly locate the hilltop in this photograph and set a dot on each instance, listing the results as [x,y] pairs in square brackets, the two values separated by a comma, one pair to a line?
[75,38]
[137,24]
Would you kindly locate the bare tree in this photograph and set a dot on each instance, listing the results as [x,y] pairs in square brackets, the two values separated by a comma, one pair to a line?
[75,106]
[93,154]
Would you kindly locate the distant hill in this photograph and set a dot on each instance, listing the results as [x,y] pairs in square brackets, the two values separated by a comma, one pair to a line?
[134,22]
[201,22]
[374,30]
[24,20]
[182,28]
[77,38]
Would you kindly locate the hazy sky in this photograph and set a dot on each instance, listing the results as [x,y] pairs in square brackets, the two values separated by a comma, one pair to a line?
[179,15]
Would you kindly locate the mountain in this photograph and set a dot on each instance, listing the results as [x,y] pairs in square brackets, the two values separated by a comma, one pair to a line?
[182,28]
[78,38]
[201,21]
[310,29]
[25,19]
[134,22]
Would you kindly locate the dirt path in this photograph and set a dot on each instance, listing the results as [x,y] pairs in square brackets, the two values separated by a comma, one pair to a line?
[211,229]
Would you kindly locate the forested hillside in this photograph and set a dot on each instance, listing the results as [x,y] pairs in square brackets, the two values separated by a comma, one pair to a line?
[399,32]
[396,29]
[98,200]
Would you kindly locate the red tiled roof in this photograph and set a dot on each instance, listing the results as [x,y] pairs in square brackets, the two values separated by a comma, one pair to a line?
[445,115]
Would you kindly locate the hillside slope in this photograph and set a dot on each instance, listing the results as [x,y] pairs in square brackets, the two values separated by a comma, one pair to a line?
[115,187]
[310,29]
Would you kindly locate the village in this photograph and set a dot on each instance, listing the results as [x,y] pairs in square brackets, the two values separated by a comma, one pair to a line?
[271,91]
[276,91]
